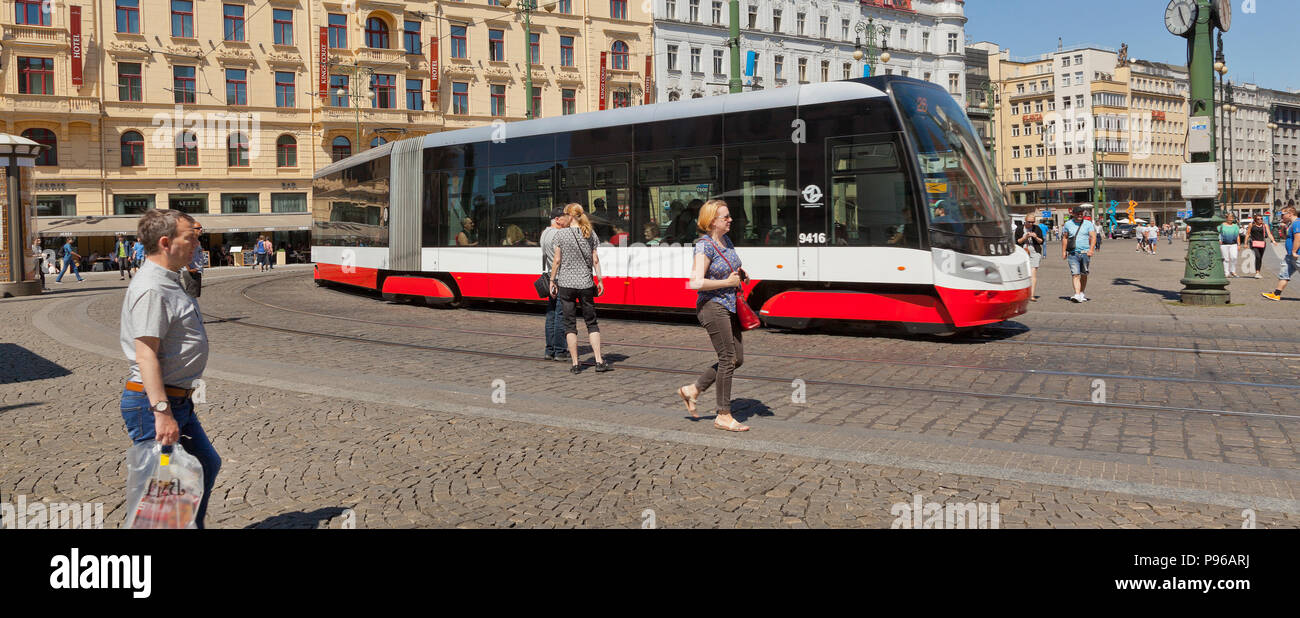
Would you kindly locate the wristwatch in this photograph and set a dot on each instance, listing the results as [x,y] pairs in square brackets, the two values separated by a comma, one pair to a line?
[161,407]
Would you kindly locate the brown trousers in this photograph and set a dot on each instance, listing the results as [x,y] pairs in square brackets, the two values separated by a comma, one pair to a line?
[724,332]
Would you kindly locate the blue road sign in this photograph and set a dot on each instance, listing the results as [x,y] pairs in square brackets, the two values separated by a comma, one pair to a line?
[749,63]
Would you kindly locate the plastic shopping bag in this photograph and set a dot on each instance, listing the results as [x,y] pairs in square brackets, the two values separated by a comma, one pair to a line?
[164,486]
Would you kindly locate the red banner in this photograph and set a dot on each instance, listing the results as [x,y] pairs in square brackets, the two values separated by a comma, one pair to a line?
[324,85]
[648,82]
[434,70]
[76,46]
[602,80]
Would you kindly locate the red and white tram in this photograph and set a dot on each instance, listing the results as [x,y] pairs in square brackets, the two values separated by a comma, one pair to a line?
[866,201]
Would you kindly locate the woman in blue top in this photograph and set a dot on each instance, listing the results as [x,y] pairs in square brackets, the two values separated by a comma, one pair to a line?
[717,276]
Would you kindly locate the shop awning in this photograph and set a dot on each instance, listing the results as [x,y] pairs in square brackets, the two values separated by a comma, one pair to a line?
[109,226]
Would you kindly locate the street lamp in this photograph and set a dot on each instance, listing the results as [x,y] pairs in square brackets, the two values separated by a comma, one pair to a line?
[527,7]
[870,29]
[1272,130]
[356,98]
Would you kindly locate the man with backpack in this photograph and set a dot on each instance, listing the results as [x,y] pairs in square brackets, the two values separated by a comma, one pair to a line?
[70,259]
[1078,242]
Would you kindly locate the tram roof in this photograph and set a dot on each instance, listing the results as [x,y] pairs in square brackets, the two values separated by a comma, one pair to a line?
[791,96]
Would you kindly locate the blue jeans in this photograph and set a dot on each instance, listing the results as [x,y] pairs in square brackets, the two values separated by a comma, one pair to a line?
[1078,263]
[139,419]
[68,262]
[555,342]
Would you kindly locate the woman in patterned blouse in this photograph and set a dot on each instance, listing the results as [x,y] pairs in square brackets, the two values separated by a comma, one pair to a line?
[717,275]
[576,280]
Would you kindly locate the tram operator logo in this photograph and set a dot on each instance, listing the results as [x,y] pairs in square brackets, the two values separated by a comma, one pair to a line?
[812,195]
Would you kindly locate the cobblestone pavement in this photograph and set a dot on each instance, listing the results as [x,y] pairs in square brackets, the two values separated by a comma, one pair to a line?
[406,436]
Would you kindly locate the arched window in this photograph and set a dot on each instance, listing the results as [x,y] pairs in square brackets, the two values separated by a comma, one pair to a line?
[674,96]
[132,149]
[237,150]
[187,149]
[619,50]
[378,141]
[286,151]
[45,137]
[341,148]
[376,33]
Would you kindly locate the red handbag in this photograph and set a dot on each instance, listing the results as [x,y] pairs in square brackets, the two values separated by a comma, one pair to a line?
[748,319]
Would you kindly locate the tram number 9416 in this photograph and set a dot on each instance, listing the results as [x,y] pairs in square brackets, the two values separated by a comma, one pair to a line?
[813,238]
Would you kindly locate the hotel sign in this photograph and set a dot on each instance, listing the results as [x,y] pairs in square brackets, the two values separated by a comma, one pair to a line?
[323,84]
[77,49]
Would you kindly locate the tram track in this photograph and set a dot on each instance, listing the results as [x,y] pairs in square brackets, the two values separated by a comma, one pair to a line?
[763,378]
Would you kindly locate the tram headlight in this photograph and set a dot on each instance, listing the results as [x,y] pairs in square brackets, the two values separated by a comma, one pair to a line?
[980,270]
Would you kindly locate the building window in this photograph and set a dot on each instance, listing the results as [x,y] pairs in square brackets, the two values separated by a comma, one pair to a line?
[1015,130]
[377,142]
[284,88]
[288,202]
[411,37]
[536,102]
[670,9]
[776,20]
[672,57]
[566,51]
[848,70]
[183,18]
[237,150]
[695,59]
[282,26]
[31,13]
[498,100]
[568,101]
[622,98]
[128,16]
[239,203]
[131,204]
[799,19]
[844,29]
[385,87]
[460,97]
[1015,152]
[286,151]
[129,82]
[618,9]
[35,75]
[952,42]
[497,45]
[415,94]
[458,41]
[753,17]
[338,31]
[565,6]
[826,70]
[717,12]
[925,42]
[340,148]
[187,149]
[778,63]
[695,10]
[954,83]
[376,33]
[236,87]
[339,90]
[717,62]
[534,48]
[44,137]
[132,149]
[233,21]
[803,70]
[823,23]
[183,84]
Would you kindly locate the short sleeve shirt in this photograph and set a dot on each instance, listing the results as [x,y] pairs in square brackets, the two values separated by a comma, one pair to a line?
[718,269]
[547,241]
[156,306]
[575,258]
[1291,231]
[1081,244]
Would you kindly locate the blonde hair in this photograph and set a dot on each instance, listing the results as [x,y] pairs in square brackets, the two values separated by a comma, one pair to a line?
[1290,209]
[514,234]
[708,212]
[574,209]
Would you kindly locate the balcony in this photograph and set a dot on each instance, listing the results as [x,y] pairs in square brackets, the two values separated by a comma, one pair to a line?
[371,116]
[376,56]
[43,103]
[43,36]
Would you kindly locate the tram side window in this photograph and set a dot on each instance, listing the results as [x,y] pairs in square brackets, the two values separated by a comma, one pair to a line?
[671,188]
[760,194]
[521,204]
[871,197]
[602,190]
[466,219]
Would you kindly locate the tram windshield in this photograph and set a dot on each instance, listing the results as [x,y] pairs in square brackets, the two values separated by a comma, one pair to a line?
[961,195]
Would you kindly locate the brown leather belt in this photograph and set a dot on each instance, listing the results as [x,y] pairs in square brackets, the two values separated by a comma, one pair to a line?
[172,391]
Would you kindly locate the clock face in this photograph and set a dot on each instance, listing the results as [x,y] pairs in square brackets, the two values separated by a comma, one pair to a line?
[1223,10]
[1180,15]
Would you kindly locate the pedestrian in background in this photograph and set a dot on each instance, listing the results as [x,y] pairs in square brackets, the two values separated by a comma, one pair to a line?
[576,279]
[1229,244]
[162,336]
[120,255]
[1288,266]
[717,275]
[1259,237]
[137,258]
[70,260]
[1032,241]
[193,273]
[1078,237]
[39,254]
[555,345]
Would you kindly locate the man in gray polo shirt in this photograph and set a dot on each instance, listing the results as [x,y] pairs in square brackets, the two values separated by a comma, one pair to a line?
[162,335]
[555,346]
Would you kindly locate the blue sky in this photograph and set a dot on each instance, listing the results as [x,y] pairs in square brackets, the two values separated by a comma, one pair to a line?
[1261,47]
